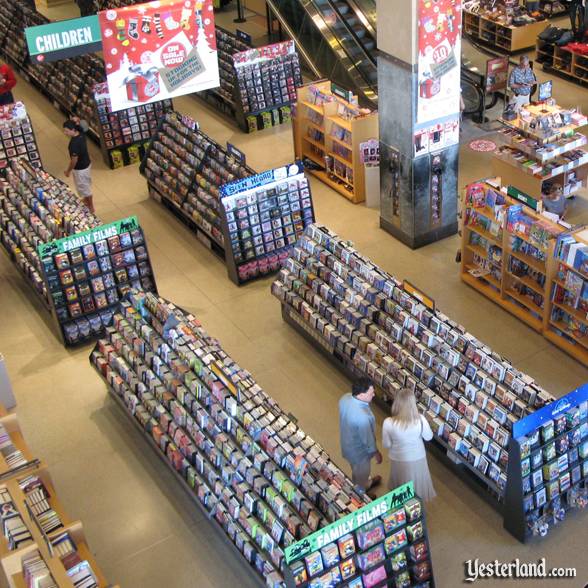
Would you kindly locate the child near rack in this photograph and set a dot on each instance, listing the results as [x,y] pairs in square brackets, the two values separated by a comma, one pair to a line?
[553,200]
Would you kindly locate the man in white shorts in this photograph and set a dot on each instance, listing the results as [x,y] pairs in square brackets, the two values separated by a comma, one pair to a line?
[80,164]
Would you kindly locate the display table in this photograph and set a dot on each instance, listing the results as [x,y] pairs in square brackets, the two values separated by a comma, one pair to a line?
[505,38]
[543,145]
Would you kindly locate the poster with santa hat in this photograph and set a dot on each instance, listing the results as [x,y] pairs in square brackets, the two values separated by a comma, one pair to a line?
[439,37]
[158,50]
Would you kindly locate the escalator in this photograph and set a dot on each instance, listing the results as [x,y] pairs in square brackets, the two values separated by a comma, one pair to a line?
[337,39]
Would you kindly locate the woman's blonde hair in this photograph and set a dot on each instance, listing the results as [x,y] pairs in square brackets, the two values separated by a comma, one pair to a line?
[404,409]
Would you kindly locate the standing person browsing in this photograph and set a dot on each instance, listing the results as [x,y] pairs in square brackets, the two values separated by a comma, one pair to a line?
[357,429]
[7,82]
[403,433]
[521,83]
[79,163]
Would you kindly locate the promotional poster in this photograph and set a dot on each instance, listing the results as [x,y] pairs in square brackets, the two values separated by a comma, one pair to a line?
[158,50]
[439,59]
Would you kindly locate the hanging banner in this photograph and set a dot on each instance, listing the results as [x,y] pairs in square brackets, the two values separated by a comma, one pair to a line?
[439,34]
[64,38]
[158,50]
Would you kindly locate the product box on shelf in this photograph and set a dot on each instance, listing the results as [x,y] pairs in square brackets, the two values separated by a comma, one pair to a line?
[549,470]
[264,215]
[381,544]
[36,208]
[87,274]
[17,139]
[370,323]
[123,134]
[266,82]
[247,463]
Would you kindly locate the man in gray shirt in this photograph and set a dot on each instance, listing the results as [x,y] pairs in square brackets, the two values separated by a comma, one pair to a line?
[357,426]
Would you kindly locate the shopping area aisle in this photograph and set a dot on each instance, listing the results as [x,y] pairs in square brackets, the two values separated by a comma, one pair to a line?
[145,531]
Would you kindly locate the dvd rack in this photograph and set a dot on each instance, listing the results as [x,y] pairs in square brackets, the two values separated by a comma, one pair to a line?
[262,217]
[548,471]
[17,138]
[369,323]
[177,149]
[225,97]
[124,135]
[266,82]
[384,543]
[87,274]
[243,460]
[36,208]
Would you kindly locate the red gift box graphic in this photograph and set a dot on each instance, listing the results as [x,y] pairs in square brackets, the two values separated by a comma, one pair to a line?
[142,83]
[430,87]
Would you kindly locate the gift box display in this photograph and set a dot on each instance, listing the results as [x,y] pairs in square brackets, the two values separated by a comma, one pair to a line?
[87,275]
[263,480]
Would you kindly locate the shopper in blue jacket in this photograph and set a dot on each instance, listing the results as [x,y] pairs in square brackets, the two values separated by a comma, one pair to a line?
[358,433]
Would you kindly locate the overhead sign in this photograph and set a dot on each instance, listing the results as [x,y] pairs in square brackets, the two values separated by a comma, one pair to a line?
[158,50]
[439,57]
[87,237]
[267,177]
[64,38]
[347,524]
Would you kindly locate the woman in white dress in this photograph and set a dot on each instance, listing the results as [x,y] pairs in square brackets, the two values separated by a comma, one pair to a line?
[403,433]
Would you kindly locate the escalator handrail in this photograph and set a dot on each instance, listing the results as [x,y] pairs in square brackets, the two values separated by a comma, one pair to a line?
[352,33]
[300,48]
[363,18]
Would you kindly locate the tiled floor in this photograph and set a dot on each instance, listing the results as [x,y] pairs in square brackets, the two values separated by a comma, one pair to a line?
[145,531]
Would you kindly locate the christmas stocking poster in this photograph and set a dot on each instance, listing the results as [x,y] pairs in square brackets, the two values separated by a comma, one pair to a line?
[158,50]
[439,36]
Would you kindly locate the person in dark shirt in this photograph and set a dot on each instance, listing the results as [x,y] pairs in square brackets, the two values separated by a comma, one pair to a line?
[80,164]
[7,82]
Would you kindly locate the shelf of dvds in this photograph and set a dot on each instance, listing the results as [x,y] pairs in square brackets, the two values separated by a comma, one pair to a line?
[532,267]
[17,138]
[328,130]
[548,476]
[36,208]
[544,146]
[246,463]
[384,541]
[506,252]
[89,273]
[368,322]
[265,82]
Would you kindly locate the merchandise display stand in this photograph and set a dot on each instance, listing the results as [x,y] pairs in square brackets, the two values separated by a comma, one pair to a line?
[507,251]
[548,475]
[250,466]
[504,38]
[177,149]
[36,534]
[530,266]
[329,130]
[384,541]
[87,274]
[124,135]
[263,217]
[36,208]
[563,62]
[265,85]
[372,324]
[226,97]
[17,138]
[544,147]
